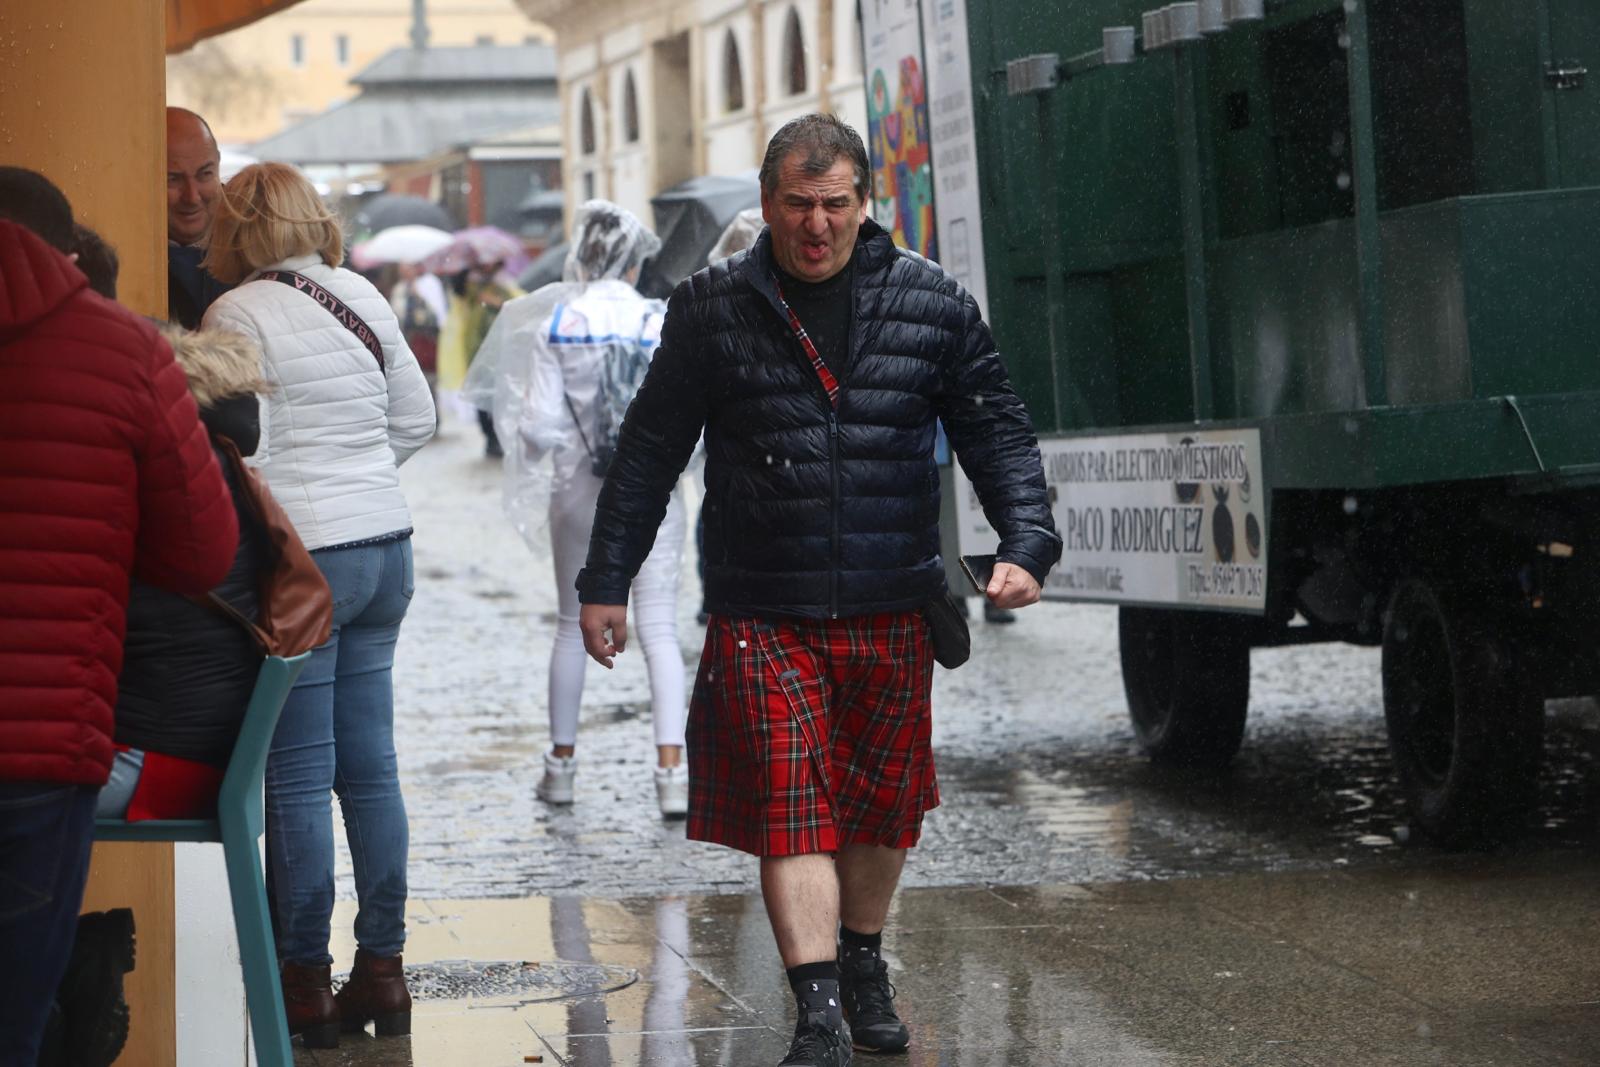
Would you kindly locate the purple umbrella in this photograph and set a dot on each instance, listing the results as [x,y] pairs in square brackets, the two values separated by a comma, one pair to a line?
[479,247]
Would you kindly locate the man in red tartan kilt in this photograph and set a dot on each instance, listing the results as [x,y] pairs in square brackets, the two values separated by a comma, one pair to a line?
[816,365]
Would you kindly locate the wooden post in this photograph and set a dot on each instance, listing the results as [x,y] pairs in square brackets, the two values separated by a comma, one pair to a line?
[81,101]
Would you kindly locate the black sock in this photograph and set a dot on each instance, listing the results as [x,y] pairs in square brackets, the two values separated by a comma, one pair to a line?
[816,988]
[850,941]
[822,971]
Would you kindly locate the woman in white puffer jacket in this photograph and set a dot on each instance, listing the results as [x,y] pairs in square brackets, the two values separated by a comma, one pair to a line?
[558,370]
[347,404]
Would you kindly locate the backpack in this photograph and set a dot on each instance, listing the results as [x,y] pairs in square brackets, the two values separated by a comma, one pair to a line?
[296,605]
[417,316]
[623,364]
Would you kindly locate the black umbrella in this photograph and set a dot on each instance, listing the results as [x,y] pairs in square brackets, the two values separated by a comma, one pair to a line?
[394,209]
[689,219]
[545,268]
[539,214]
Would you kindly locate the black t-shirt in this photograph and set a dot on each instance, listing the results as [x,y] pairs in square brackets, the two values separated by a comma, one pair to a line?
[823,308]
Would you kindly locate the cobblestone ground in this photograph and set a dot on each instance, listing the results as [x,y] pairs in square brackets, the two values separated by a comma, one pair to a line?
[1040,775]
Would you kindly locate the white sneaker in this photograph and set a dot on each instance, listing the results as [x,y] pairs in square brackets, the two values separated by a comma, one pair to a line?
[672,791]
[560,772]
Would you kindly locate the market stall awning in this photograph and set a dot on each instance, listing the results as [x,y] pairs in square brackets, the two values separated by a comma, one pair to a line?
[191,21]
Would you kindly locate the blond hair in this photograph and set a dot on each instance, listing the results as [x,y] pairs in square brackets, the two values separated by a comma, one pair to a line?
[269,212]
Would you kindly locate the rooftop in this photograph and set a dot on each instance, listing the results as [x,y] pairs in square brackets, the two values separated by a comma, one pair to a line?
[396,127]
[464,63]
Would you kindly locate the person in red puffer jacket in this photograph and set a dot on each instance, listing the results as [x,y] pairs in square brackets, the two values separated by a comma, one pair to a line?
[105,473]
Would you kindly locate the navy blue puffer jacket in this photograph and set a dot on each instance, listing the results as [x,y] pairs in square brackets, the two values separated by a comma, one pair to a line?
[812,511]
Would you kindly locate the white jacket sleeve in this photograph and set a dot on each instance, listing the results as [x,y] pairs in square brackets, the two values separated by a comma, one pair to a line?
[411,416]
[225,314]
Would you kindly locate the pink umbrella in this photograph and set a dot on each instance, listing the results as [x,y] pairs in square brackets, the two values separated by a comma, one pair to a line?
[479,247]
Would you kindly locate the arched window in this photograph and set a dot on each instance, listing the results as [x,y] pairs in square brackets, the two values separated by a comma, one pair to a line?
[630,109]
[732,74]
[586,124]
[794,55]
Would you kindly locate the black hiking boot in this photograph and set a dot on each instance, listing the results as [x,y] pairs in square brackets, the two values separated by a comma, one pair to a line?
[868,999]
[94,1016]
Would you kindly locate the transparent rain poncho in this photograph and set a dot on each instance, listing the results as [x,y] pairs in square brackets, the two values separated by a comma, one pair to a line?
[740,234]
[539,370]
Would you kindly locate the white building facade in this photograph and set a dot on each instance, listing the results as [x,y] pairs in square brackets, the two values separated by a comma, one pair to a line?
[655,92]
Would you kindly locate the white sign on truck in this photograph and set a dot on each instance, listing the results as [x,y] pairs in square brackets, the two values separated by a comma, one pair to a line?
[1152,518]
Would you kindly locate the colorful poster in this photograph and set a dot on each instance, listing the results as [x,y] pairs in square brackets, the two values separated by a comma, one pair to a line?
[897,123]
[958,218]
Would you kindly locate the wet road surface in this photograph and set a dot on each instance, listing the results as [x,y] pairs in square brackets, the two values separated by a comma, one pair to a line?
[1338,968]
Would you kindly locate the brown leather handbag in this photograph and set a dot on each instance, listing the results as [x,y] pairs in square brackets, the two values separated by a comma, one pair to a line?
[296,612]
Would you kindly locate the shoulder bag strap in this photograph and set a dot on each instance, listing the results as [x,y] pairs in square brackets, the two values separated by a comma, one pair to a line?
[335,307]
[577,424]
[830,384]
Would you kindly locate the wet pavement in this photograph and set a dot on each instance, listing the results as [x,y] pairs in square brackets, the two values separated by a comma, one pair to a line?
[1069,904]
[1329,968]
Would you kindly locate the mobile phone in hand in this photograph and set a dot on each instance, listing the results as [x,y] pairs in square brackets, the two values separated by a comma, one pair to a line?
[978,569]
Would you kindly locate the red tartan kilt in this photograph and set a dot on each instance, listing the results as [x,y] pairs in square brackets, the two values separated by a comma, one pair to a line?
[805,735]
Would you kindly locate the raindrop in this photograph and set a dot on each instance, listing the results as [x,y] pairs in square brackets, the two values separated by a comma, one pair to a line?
[787,463]
[744,644]
[1349,7]
[1344,41]
[1343,181]
[769,459]
[1351,505]
[1351,426]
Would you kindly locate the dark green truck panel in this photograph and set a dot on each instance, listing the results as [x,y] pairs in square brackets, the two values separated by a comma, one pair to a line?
[1484,273]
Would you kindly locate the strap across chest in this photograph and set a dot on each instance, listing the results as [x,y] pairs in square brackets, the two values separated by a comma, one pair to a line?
[830,384]
[334,306]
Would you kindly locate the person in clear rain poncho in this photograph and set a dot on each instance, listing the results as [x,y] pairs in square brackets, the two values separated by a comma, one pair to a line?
[558,371]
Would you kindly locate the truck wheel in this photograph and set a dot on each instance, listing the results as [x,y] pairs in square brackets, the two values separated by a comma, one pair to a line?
[1466,731]
[1187,678]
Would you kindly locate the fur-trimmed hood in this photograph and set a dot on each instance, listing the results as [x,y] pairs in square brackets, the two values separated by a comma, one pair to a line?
[218,363]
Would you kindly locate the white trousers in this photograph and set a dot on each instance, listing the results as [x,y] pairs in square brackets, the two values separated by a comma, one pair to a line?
[653,613]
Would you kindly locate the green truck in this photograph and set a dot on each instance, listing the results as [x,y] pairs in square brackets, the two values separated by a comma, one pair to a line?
[1309,297]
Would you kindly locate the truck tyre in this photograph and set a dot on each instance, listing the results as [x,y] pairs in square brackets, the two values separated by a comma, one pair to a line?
[1466,730]
[1187,678]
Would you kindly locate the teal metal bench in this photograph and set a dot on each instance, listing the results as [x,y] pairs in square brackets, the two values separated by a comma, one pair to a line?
[238,825]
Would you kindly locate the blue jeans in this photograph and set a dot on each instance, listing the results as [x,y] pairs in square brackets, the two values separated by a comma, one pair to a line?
[337,734]
[46,829]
